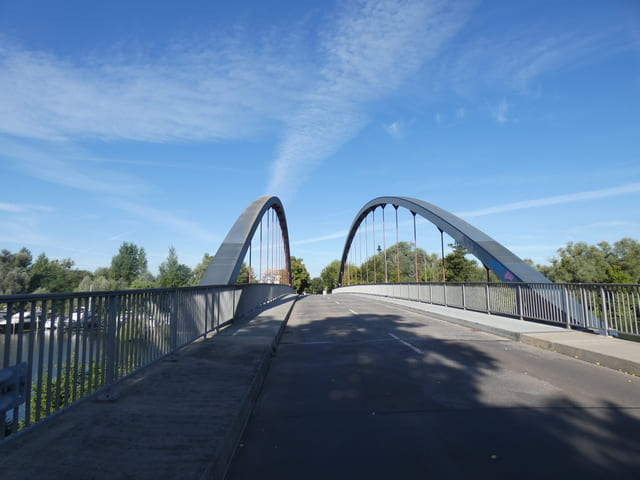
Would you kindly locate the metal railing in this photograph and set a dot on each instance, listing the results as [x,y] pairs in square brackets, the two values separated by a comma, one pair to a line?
[611,309]
[58,348]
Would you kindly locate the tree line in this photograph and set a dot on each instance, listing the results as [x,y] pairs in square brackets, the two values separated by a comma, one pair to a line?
[574,263]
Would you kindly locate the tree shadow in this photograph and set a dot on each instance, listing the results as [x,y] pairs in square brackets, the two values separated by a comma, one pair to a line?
[372,394]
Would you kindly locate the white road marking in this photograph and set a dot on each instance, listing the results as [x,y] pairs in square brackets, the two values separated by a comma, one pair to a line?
[355,313]
[337,303]
[414,348]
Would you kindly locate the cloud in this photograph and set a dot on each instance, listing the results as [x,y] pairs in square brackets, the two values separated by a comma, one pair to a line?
[460,112]
[24,207]
[554,200]
[57,163]
[216,91]
[501,111]
[394,129]
[173,220]
[368,50]
[518,57]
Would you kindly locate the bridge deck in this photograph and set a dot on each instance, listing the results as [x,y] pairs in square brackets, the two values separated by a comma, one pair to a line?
[357,388]
[364,389]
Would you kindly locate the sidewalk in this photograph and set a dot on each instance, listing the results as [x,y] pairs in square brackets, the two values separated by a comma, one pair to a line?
[174,419]
[611,352]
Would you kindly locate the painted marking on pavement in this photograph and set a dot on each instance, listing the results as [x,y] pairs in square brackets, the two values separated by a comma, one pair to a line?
[354,312]
[412,347]
[337,303]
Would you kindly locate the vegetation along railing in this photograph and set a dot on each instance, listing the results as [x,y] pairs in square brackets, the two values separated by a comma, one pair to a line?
[610,309]
[58,348]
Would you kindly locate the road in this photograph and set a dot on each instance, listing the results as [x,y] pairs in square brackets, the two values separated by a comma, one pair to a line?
[363,389]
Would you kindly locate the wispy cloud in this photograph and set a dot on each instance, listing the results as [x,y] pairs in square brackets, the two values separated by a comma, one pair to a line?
[394,129]
[554,200]
[217,91]
[368,51]
[24,207]
[173,220]
[52,163]
[501,111]
[516,58]
[331,236]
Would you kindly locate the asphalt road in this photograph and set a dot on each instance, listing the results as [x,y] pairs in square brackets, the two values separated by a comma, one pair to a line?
[361,389]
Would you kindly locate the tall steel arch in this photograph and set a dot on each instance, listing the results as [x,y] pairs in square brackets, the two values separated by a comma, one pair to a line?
[225,266]
[504,263]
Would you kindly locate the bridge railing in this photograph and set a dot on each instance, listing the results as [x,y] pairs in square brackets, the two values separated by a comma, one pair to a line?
[611,309]
[58,348]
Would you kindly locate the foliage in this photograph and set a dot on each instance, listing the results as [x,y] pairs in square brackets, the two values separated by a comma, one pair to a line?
[172,273]
[300,278]
[129,263]
[583,263]
[243,274]
[329,275]
[200,269]
[54,275]
[14,276]
[317,286]
[458,268]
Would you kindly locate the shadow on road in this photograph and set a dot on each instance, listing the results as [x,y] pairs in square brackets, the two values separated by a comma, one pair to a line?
[359,390]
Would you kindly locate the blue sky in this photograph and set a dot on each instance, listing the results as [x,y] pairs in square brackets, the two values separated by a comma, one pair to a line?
[159,122]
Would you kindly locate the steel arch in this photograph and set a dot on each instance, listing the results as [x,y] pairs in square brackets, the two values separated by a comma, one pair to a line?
[504,263]
[225,266]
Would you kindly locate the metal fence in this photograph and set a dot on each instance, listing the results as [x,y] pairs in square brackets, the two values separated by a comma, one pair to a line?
[58,348]
[610,309]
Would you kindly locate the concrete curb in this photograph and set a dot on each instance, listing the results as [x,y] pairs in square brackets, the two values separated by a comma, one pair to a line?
[221,462]
[597,358]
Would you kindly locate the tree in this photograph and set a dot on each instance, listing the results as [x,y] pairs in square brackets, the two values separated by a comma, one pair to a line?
[458,268]
[14,272]
[317,285]
[300,279]
[200,269]
[128,264]
[329,275]
[54,276]
[243,274]
[172,273]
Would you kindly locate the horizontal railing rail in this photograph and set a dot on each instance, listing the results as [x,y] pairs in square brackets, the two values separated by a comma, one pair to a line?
[69,346]
[610,309]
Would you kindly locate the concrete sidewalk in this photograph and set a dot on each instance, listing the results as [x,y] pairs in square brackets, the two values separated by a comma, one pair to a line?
[611,352]
[174,419]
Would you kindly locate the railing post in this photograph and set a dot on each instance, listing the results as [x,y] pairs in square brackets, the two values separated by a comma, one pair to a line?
[604,311]
[430,293]
[585,311]
[173,327]
[445,295]
[566,306]
[464,304]
[520,307]
[112,327]
[488,298]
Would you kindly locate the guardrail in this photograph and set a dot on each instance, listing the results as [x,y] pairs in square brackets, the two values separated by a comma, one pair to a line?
[611,309]
[58,348]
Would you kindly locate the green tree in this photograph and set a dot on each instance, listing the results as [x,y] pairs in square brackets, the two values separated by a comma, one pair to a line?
[329,275]
[300,278]
[129,263]
[459,268]
[200,269]
[54,276]
[172,273]
[243,275]
[317,285]
[14,272]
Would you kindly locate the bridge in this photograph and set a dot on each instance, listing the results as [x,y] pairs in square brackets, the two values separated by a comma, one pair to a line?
[413,380]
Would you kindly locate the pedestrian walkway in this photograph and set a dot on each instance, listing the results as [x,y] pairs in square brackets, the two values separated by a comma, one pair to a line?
[611,352]
[179,418]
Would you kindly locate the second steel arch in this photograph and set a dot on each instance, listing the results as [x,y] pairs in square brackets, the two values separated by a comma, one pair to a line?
[504,263]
